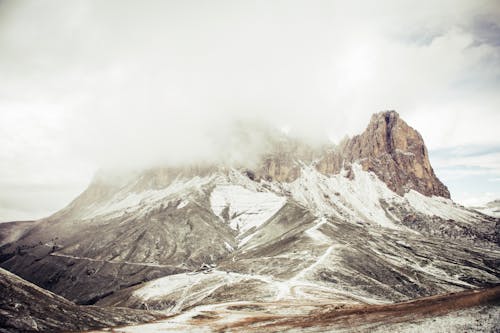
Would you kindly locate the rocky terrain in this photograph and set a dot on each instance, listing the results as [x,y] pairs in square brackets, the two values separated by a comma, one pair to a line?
[364,223]
[11,231]
[25,307]
[467,311]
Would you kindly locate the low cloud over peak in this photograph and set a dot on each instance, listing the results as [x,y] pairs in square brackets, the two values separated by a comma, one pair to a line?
[92,84]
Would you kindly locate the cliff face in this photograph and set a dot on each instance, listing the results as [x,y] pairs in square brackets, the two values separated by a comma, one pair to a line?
[282,163]
[391,149]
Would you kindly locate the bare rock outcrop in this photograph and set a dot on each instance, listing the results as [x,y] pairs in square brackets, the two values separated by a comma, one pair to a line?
[391,149]
[282,162]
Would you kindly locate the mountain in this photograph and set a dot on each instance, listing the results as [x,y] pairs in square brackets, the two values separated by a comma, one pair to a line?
[25,307]
[392,150]
[363,222]
[491,208]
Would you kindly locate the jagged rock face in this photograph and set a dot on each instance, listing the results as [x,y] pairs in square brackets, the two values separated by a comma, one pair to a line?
[391,149]
[279,167]
[281,163]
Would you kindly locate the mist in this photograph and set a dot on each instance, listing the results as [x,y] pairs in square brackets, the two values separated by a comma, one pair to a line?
[87,85]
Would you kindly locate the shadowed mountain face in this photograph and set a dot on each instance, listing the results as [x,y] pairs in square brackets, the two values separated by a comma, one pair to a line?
[364,222]
[25,307]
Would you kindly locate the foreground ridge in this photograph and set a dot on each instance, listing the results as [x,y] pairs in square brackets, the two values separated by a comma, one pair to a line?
[475,310]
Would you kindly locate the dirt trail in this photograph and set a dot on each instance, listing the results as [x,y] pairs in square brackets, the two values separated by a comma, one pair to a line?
[56,254]
[359,315]
[315,316]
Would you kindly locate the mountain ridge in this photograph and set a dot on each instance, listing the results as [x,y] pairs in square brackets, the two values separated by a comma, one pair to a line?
[343,236]
[389,147]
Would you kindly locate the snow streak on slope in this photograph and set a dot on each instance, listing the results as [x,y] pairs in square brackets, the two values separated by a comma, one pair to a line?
[437,206]
[491,211]
[357,199]
[492,208]
[189,289]
[316,234]
[125,201]
[244,209]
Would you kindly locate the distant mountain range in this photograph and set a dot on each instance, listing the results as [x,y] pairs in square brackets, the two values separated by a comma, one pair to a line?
[492,208]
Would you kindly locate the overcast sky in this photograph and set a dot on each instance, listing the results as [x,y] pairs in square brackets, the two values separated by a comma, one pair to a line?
[97,84]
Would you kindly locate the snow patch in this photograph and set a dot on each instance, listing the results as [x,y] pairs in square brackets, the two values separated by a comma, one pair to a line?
[317,235]
[357,199]
[495,212]
[126,201]
[182,204]
[438,206]
[228,247]
[244,209]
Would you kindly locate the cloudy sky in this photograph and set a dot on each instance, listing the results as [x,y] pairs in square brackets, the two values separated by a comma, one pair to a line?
[86,85]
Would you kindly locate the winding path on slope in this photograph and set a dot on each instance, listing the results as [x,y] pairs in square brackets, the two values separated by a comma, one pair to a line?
[55,254]
[296,315]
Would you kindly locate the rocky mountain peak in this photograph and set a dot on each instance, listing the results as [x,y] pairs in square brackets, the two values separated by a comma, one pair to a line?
[391,149]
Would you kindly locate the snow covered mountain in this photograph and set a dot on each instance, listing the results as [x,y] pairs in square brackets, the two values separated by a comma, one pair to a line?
[365,222]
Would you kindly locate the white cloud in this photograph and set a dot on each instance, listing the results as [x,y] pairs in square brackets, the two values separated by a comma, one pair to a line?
[472,200]
[86,84]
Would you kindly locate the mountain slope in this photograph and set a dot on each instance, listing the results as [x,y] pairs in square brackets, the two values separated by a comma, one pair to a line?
[25,307]
[467,311]
[370,223]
